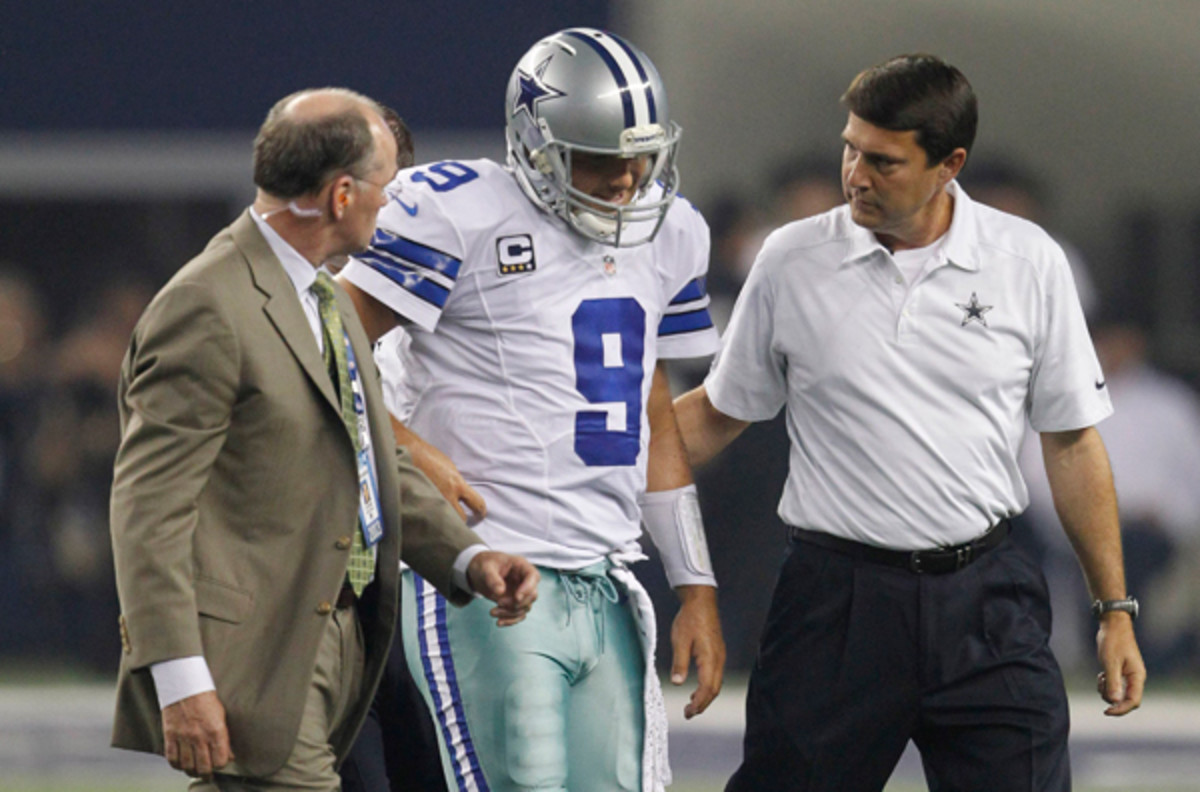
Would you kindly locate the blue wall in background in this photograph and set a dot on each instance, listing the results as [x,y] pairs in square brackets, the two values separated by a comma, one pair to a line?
[167,65]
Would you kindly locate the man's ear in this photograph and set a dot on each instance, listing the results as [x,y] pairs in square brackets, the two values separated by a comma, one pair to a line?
[340,190]
[953,164]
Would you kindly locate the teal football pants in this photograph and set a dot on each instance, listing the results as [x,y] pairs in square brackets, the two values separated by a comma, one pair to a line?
[553,703]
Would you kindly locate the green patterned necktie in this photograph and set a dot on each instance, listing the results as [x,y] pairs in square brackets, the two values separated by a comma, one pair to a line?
[362,558]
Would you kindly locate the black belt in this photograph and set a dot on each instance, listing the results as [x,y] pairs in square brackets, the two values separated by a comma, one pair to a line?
[937,561]
[345,597]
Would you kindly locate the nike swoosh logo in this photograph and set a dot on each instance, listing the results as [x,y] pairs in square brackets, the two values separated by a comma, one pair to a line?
[412,210]
[1100,384]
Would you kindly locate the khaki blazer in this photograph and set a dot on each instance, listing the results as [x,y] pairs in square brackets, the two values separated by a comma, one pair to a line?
[234,497]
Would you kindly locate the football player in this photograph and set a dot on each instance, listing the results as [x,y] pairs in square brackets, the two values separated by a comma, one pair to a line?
[536,300]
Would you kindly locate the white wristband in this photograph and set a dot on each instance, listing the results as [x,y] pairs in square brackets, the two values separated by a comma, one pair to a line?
[672,518]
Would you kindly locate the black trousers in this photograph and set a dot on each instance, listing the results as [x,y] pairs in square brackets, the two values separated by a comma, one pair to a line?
[858,658]
[397,749]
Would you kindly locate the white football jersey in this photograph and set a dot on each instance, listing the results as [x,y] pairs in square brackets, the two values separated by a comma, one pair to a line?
[529,351]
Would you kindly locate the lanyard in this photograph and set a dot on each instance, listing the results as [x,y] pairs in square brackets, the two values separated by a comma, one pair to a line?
[369,516]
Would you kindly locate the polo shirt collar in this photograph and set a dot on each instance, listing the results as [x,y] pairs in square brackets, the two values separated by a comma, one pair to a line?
[961,244]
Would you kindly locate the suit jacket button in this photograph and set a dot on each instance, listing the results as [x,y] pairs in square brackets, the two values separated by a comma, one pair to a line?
[325,609]
[344,543]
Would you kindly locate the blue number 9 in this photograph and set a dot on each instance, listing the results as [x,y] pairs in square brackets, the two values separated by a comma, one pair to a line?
[445,176]
[609,341]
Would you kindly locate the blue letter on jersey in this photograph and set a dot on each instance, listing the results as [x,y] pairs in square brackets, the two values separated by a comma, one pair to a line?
[609,340]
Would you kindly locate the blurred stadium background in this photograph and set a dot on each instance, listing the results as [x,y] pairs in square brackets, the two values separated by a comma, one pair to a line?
[125,134]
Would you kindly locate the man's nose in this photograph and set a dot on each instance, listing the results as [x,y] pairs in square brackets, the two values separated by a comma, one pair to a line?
[855,172]
[625,174]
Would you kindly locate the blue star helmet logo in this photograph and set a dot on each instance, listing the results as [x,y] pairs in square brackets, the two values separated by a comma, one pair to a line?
[533,90]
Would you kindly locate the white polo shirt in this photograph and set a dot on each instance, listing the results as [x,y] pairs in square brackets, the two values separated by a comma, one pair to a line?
[906,401]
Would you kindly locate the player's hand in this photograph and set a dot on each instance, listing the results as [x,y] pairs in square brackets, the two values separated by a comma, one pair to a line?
[444,475]
[508,580]
[696,636]
[1124,675]
[195,735]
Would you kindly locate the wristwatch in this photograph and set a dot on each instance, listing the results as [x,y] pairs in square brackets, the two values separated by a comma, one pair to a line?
[1129,605]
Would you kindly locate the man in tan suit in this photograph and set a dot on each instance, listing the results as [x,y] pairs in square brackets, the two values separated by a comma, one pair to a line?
[250,651]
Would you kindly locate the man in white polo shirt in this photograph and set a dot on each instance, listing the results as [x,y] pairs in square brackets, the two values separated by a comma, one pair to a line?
[909,333]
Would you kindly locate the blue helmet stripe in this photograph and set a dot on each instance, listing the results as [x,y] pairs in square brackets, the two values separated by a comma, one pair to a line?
[641,70]
[614,67]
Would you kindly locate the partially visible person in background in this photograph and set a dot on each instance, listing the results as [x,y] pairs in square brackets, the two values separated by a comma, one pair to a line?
[70,457]
[736,225]
[1153,442]
[730,495]
[802,187]
[796,187]
[25,354]
[1002,183]
[403,136]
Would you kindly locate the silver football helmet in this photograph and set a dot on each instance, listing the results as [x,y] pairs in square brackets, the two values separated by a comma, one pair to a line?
[584,90]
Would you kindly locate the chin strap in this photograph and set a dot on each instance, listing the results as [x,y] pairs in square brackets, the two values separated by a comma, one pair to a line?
[672,518]
[598,225]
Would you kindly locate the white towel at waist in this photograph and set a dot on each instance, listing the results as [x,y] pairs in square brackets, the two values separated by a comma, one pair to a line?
[656,766]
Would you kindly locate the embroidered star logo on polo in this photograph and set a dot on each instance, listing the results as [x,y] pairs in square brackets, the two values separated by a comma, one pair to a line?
[973,311]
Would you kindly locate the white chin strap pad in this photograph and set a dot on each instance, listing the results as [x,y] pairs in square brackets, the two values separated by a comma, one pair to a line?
[672,518]
[596,224]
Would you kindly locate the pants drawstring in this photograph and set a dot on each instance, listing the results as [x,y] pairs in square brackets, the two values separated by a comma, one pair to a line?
[590,586]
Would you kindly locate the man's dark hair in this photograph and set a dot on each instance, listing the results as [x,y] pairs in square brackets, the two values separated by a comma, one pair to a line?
[296,156]
[405,155]
[921,93]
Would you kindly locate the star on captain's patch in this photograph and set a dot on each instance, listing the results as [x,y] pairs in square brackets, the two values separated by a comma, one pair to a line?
[533,90]
[973,311]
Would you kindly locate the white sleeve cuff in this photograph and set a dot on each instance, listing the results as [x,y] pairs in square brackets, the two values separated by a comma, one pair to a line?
[462,562]
[175,680]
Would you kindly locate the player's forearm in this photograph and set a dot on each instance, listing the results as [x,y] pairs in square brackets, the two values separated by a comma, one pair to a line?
[670,509]
[1081,481]
[705,430]
[667,463]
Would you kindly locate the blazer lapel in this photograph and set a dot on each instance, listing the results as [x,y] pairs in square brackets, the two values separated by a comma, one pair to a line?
[282,306]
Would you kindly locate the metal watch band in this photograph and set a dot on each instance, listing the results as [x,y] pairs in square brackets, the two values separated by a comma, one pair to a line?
[1129,605]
